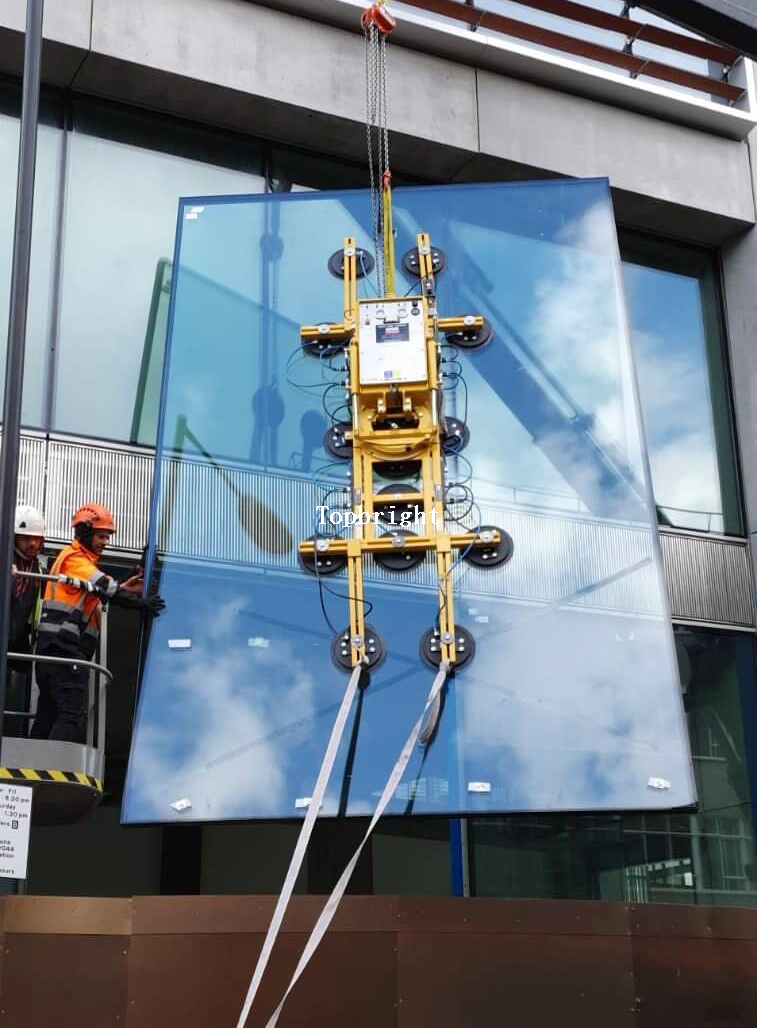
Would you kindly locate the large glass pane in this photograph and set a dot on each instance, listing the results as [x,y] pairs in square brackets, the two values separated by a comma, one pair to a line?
[572,700]
[674,310]
[707,857]
[126,173]
[43,236]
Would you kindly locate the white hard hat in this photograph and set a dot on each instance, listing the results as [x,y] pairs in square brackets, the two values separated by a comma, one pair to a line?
[29,521]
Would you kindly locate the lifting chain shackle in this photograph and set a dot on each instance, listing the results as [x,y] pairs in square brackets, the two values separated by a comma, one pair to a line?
[377,24]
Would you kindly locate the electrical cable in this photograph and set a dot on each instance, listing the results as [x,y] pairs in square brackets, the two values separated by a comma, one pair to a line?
[322,587]
[366,276]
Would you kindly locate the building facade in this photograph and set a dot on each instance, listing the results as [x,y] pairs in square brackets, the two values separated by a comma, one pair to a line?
[144,103]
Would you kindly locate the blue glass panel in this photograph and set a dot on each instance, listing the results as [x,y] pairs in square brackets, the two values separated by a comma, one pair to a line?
[572,701]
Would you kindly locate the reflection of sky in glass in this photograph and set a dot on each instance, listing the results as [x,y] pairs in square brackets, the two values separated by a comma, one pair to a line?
[48,144]
[670,350]
[572,700]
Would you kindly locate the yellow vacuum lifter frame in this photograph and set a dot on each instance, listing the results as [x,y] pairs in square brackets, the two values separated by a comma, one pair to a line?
[413,410]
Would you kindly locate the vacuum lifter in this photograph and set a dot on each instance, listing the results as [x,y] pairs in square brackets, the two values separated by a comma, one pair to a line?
[393,355]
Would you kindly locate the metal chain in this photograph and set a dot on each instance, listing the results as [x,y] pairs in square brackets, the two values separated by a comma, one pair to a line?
[377,140]
[384,104]
[369,119]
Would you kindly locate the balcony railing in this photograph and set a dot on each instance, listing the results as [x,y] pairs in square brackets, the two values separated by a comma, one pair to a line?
[708,578]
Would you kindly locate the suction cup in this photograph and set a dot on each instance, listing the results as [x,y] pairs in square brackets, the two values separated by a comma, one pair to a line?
[396,469]
[411,261]
[364,264]
[390,511]
[325,347]
[471,338]
[431,647]
[399,558]
[341,649]
[455,435]
[328,561]
[335,443]
[487,554]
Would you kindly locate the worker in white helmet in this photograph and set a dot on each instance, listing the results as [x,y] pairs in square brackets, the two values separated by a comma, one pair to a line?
[29,528]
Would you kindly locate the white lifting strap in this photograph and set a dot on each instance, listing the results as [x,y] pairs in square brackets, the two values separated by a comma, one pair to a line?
[327,914]
[302,843]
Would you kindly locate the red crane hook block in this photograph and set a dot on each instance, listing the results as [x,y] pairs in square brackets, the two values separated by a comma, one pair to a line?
[378,15]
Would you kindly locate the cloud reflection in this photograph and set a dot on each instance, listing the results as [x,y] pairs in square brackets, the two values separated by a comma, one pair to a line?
[218,696]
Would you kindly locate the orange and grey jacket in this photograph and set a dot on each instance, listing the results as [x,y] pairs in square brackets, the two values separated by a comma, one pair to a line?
[70,618]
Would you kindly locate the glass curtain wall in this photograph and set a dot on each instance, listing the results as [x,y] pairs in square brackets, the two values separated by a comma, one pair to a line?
[675,316]
[43,241]
[708,857]
[125,176]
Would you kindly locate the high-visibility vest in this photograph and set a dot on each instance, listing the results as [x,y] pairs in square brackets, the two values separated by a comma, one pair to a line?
[70,617]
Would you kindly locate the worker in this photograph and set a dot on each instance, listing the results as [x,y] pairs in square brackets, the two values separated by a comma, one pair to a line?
[29,538]
[69,624]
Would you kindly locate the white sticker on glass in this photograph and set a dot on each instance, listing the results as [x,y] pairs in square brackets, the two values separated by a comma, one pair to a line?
[658,783]
[479,787]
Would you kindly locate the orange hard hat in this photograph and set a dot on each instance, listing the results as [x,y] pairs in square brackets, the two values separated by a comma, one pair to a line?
[97,517]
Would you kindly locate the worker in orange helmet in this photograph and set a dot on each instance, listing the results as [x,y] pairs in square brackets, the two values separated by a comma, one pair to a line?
[69,624]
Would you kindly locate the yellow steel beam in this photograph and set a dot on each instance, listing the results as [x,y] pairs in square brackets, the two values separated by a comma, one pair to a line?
[468,321]
[386,543]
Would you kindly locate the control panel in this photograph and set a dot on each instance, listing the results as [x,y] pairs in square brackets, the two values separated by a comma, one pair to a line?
[392,341]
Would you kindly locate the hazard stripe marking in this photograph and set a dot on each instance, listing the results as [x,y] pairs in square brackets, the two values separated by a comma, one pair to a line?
[30,774]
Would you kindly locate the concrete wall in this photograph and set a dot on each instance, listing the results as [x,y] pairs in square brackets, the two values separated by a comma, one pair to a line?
[237,64]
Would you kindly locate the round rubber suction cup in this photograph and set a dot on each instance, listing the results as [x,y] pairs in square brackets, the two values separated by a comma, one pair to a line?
[390,511]
[364,263]
[328,561]
[326,346]
[455,434]
[470,337]
[397,469]
[335,443]
[411,262]
[488,554]
[399,558]
[341,649]
[431,647]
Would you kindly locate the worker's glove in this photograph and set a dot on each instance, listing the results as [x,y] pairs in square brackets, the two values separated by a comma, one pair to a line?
[153,605]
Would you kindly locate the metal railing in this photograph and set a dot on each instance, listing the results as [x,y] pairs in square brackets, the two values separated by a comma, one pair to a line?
[99,673]
[709,578]
[96,707]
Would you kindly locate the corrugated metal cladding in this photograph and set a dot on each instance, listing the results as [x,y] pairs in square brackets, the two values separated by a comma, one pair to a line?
[709,579]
